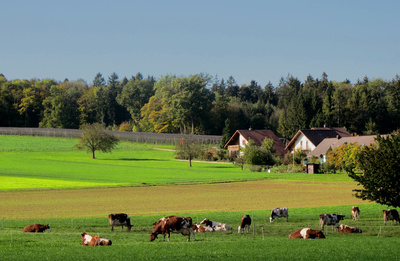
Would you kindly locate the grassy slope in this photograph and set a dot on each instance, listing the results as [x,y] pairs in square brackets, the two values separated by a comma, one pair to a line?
[22,157]
[52,162]
[269,240]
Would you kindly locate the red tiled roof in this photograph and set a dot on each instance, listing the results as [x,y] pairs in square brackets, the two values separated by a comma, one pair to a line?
[258,136]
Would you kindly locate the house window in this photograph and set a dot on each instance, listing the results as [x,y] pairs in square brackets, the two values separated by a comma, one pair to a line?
[306,145]
[243,142]
[301,144]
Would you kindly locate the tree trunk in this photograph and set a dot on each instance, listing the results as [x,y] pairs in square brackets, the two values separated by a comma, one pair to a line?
[93,157]
[190,161]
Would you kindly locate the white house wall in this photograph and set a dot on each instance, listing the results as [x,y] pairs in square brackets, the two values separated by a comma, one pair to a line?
[242,141]
[303,143]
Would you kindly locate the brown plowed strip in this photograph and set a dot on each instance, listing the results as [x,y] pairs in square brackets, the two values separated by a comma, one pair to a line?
[239,196]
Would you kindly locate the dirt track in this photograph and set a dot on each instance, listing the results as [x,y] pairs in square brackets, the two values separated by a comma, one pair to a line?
[240,196]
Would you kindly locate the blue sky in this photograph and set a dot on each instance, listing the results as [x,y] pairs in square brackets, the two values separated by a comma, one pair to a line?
[249,40]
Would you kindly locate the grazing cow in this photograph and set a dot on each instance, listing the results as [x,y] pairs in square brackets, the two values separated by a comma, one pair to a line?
[307,233]
[391,214]
[88,240]
[355,213]
[346,229]
[120,219]
[217,226]
[244,224]
[36,228]
[330,219]
[173,224]
[279,212]
[199,228]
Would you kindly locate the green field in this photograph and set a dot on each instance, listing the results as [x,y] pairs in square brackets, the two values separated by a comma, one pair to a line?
[43,180]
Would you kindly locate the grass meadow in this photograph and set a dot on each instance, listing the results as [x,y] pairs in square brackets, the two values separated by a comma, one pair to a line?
[44,180]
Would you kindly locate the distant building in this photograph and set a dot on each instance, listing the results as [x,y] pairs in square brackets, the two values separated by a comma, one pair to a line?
[308,139]
[322,148]
[241,137]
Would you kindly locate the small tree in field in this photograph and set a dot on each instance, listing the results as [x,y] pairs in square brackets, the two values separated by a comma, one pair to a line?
[381,171]
[94,137]
[188,148]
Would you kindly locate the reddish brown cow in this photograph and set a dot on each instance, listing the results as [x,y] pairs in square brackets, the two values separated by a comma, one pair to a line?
[355,213]
[346,229]
[244,224]
[391,214]
[36,228]
[173,224]
[120,219]
[199,228]
[307,233]
[88,240]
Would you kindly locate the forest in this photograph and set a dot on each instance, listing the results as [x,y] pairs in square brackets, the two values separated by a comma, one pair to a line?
[202,104]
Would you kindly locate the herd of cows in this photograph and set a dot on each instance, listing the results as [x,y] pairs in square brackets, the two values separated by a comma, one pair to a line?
[185,226]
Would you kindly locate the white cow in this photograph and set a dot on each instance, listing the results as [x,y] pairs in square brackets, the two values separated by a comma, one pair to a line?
[279,212]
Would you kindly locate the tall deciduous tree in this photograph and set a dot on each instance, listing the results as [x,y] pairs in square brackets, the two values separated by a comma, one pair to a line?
[135,94]
[95,138]
[381,171]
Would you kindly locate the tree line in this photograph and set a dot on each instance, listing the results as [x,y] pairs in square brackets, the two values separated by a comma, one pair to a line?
[201,104]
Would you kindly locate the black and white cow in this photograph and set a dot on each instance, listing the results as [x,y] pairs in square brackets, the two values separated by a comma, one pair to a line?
[330,219]
[120,219]
[217,226]
[279,212]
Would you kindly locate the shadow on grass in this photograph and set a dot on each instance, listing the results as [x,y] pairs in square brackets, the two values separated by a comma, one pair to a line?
[126,159]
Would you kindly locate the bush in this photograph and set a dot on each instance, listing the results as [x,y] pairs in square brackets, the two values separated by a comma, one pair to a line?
[222,154]
[125,126]
[209,155]
[255,168]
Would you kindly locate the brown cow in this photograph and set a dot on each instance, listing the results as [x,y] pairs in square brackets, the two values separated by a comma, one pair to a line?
[36,228]
[120,219]
[174,224]
[307,233]
[346,229]
[355,213]
[391,214]
[88,240]
[244,224]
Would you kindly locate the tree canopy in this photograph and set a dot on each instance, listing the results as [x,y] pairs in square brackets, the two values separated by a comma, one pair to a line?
[201,104]
[95,137]
[380,165]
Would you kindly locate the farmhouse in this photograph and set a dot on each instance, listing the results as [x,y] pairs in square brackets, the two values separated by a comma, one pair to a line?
[322,148]
[307,140]
[241,137]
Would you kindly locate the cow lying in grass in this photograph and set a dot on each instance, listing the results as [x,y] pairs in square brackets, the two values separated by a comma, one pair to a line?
[347,229]
[307,233]
[36,228]
[88,240]
[199,228]
[216,225]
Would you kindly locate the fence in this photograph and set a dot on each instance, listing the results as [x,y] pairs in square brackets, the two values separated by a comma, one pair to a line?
[143,137]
